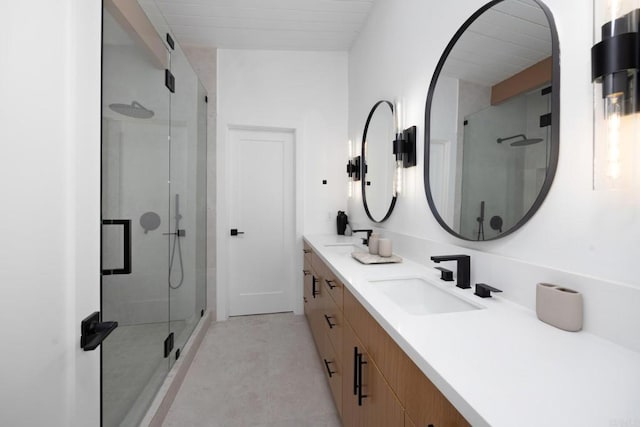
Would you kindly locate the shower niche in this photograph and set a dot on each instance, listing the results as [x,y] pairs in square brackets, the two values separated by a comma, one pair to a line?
[154,187]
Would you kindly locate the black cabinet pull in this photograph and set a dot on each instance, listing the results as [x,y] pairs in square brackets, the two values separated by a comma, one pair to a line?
[314,291]
[306,251]
[330,283]
[355,371]
[360,395]
[328,319]
[126,250]
[329,371]
[306,272]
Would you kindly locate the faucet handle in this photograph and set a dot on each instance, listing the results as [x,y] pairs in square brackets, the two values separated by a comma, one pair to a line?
[484,291]
[446,275]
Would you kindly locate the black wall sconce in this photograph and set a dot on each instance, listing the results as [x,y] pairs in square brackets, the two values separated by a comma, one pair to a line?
[353,168]
[404,147]
[615,64]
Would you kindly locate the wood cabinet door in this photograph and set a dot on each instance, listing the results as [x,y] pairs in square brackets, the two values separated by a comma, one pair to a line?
[425,404]
[367,400]
[352,414]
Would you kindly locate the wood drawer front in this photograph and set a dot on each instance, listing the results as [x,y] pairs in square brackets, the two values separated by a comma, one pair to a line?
[306,265]
[307,251]
[317,264]
[424,403]
[316,306]
[335,288]
[332,362]
[333,323]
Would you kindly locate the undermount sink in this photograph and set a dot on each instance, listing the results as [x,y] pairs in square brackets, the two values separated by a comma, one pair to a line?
[419,297]
[345,248]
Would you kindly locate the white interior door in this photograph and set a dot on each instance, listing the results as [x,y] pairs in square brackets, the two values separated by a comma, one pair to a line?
[261,263]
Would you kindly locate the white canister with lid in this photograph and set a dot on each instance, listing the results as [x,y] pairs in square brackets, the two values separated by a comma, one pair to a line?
[384,248]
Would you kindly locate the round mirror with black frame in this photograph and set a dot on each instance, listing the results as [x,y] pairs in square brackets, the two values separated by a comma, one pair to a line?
[492,121]
[379,162]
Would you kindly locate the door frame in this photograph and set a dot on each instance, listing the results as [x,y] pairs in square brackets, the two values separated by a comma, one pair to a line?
[223,224]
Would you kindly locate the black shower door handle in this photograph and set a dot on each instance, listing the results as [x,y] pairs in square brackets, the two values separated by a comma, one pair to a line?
[126,250]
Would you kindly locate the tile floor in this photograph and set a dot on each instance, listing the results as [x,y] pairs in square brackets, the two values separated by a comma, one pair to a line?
[133,369]
[258,371]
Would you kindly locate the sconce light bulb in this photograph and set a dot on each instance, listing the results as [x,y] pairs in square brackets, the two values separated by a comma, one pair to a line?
[397,182]
[398,117]
[613,114]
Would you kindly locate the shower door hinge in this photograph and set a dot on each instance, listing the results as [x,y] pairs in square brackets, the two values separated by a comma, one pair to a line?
[545,120]
[169,81]
[168,345]
[170,42]
[206,99]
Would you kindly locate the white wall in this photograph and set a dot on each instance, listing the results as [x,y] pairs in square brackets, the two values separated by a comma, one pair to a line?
[50,173]
[304,91]
[576,229]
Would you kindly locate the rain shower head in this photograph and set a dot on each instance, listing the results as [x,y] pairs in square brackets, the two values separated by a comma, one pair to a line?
[523,142]
[135,110]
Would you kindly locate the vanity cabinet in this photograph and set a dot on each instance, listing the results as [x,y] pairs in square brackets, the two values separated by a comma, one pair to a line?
[423,404]
[325,319]
[373,382]
[367,398]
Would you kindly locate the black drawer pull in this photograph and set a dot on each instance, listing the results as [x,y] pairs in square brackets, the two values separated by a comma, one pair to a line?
[328,319]
[306,251]
[329,371]
[330,283]
[306,272]
[355,371]
[360,363]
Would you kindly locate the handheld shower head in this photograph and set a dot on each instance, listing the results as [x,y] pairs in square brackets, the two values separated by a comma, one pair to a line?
[178,214]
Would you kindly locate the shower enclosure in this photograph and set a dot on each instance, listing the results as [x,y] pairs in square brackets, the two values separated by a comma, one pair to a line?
[153,212]
[505,161]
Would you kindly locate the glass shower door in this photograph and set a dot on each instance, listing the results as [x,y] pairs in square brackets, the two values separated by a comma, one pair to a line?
[135,216]
[187,246]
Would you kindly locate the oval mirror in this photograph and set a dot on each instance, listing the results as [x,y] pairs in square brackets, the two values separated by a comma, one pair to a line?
[378,162]
[492,121]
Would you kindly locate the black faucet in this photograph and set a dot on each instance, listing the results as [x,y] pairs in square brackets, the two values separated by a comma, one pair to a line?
[369,231]
[464,268]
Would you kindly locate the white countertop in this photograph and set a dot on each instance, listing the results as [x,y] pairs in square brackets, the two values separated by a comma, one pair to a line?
[500,366]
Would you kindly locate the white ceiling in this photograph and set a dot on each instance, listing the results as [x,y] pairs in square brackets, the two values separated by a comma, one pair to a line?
[508,38]
[266,24]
